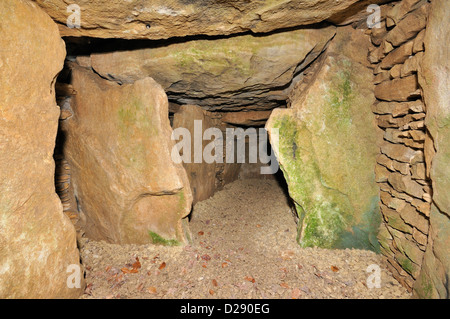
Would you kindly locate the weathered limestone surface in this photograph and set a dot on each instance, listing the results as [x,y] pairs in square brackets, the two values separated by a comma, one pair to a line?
[248,71]
[37,241]
[118,144]
[327,152]
[434,77]
[161,19]
[202,176]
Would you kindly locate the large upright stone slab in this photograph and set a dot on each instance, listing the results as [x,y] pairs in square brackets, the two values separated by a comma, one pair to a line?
[37,241]
[327,149]
[118,144]
[434,78]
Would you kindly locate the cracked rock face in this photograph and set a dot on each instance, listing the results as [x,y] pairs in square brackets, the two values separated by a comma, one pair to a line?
[119,149]
[327,150]
[223,74]
[162,19]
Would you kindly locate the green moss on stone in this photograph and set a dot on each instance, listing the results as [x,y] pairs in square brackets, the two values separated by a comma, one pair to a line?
[340,98]
[321,219]
[158,240]
[213,58]
[135,123]
[135,114]
[364,234]
[406,265]
[425,287]
[324,225]
[328,170]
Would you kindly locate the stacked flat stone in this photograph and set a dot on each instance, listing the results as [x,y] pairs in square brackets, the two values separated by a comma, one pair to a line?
[63,186]
[405,189]
[64,190]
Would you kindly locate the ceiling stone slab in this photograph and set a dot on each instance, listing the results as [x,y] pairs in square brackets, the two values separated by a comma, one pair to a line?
[162,19]
[228,74]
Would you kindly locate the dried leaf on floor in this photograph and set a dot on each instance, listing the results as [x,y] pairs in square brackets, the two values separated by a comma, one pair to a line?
[137,264]
[334,268]
[284,285]
[251,279]
[125,270]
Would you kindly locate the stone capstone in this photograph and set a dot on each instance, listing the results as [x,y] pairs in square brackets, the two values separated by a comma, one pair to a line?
[162,19]
[255,72]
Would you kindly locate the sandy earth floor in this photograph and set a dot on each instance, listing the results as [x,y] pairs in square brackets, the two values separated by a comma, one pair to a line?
[243,247]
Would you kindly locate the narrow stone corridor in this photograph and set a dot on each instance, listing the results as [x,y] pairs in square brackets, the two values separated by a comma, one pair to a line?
[237,251]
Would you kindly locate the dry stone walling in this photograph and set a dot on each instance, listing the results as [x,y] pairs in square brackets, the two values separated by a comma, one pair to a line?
[404,185]
[412,106]
[204,178]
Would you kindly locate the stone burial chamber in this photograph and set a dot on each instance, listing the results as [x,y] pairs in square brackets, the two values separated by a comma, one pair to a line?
[93,98]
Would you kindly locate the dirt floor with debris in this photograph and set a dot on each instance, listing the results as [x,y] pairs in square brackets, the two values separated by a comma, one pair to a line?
[243,247]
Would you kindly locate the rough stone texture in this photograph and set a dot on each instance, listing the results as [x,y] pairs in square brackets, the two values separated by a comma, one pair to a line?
[119,149]
[202,176]
[400,10]
[37,241]
[161,19]
[434,78]
[250,118]
[327,153]
[357,14]
[409,27]
[405,189]
[397,56]
[352,43]
[399,90]
[227,172]
[248,71]
[252,167]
